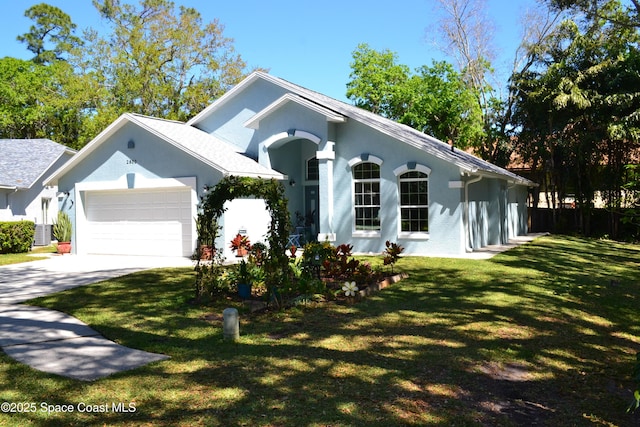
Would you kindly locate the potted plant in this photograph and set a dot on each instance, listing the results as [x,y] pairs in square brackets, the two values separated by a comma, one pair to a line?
[244,275]
[206,236]
[241,245]
[62,230]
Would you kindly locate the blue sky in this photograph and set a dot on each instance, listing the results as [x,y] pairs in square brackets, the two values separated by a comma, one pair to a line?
[307,43]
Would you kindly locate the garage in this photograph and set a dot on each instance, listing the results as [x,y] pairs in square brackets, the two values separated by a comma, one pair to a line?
[153,222]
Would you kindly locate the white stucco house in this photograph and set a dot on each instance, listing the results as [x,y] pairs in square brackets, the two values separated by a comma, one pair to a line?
[351,177]
[24,164]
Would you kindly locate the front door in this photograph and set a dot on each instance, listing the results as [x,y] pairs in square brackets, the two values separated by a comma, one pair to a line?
[311,211]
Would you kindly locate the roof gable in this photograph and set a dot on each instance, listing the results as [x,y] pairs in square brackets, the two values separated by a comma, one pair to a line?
[24,161]
[194,142]
[209,149]
[331,116]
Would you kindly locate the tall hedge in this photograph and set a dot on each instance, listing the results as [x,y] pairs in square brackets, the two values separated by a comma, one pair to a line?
[16,237]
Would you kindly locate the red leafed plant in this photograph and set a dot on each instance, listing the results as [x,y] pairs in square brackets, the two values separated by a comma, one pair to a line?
[392,254]
[240,244]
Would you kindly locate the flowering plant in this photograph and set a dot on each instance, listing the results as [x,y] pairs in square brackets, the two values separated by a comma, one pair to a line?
[350,289]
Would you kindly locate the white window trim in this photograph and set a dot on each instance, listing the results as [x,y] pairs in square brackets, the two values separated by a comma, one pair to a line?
[405,168]
[365,234]
[364,158]
[412,235]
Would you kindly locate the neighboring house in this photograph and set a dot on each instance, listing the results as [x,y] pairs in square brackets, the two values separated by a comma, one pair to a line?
[24,164]
[350,175]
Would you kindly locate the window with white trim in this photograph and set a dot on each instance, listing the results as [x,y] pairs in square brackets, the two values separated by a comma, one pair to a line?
[414,202]
[366,190]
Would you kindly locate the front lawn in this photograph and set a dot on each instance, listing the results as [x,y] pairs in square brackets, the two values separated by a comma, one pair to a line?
[545,334]
[33,255]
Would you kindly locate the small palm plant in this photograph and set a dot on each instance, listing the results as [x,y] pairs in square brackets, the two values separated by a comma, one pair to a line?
[62,228]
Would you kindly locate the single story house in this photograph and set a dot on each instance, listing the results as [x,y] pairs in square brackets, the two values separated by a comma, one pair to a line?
[24,163]
[351,176]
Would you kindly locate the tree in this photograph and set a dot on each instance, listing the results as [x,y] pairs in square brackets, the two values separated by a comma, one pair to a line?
[442,105]
[608,10]
[37,101]
[434,100]
[51,26]
[467,34]
[579,110]
[377,81]
[157,62]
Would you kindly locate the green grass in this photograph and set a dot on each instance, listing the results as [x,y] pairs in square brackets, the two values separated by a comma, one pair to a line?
[544,334]
[6,259]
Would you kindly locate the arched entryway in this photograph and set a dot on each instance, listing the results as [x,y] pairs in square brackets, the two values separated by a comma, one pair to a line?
[303,157]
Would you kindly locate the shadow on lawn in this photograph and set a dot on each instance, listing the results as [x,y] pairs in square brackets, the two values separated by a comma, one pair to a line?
[448,346]
[534,336]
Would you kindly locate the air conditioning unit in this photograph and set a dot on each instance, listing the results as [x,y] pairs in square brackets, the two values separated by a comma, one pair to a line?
[43,235]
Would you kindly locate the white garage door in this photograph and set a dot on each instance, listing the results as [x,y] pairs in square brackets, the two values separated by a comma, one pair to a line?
[139,222]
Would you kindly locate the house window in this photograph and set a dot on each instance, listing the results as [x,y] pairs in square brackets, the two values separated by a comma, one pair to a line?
[366,182]
[414,202]
[313,172]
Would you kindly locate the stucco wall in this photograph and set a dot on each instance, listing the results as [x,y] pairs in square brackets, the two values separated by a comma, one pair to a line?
[497,212]
[227,122]
[354,139]
[27,203]
[152,158]
[517,211]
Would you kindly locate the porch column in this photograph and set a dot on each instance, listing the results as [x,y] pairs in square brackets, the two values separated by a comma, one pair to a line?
[325,165]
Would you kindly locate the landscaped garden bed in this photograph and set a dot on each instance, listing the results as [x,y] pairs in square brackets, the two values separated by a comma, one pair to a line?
[318,272]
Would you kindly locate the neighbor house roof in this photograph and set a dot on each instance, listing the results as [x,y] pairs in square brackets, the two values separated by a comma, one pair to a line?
[24,161]
[207,148]
[466,162]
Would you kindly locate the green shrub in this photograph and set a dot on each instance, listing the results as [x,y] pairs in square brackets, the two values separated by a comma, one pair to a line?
[16,237]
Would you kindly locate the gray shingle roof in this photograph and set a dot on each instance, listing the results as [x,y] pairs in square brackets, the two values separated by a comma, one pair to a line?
[467,162]
[23,161]
[212,150]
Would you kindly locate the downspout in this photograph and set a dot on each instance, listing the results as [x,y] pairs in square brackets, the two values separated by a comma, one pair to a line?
[467,214]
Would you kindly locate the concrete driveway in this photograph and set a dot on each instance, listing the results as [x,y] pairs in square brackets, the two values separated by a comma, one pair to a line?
[21,282]
[55,342]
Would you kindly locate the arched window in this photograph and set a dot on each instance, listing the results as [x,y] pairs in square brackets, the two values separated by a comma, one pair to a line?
[313,172]
[414,202]
[366,190]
